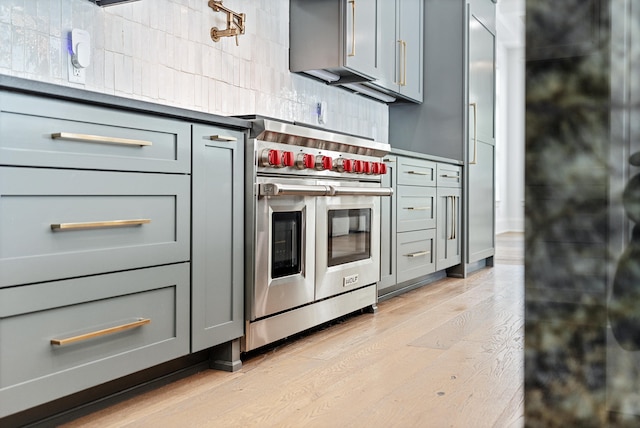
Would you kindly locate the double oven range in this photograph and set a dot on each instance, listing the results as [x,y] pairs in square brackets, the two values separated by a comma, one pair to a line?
[312,219]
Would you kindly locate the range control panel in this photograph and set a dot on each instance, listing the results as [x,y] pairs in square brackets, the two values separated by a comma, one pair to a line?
[273,158]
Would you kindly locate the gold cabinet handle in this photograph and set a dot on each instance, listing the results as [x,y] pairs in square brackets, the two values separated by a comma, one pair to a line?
[417,173]
[418,254]
[404,67]
[353,27]
[417,208]
[388,160]
[98,139]
[99,224]
[455,217]
[222,138]
[475,133]
[450,176]
[138,323]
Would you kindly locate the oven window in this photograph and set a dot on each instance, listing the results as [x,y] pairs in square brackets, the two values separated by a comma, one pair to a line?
[349,236]
[286,244]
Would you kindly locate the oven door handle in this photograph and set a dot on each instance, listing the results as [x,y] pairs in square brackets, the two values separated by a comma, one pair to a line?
[362,191]
[279,189]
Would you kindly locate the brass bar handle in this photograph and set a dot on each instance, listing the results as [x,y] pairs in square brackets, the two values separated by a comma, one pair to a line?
[222,138]
[404,68]
[388,160]
[450,176]
[417,173]
[451,215]
[418,254]
[86,138]
[99,224]
[455,216]
[353,27]
[417,208]
[475,133]
[138,323]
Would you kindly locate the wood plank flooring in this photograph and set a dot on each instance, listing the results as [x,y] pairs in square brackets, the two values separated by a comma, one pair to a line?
[449,354]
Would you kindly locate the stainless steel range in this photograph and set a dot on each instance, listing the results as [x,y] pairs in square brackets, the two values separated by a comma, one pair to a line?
[312,228]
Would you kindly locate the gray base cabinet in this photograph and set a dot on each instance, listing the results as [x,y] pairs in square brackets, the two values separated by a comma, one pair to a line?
[420,222]
[114,256]
[217,259]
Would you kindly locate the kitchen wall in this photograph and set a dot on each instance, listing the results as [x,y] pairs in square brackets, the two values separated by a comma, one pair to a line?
[161,51]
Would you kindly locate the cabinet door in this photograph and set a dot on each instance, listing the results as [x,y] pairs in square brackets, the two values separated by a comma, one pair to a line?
[410,34]
[481,157]
[388,228]
[448,228]
[218,242]
[481,232]
[361,35]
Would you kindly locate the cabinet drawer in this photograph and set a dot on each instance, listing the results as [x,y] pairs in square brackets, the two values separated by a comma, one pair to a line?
[38,131]
[91,314]
[59,224]
[415,254]
[416,172]
[416,208]
[449,175]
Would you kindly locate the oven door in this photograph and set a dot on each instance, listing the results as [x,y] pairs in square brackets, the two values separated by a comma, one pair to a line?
[348,238]
[284,247]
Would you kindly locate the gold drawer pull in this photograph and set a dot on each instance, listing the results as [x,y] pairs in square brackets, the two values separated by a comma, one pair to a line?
[138,323]
[99,139]
[418,208]
[222,138]
[99,224]
[418,254]
[388,160]
[450,176]
[417,173]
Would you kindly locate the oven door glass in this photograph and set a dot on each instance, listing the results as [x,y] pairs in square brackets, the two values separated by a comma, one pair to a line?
[349,237]
[286,244]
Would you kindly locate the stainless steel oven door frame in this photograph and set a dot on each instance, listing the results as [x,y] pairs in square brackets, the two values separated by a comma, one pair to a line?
[273,295]
[332,280]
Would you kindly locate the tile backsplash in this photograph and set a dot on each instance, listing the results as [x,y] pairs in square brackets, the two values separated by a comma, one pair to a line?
[161,51]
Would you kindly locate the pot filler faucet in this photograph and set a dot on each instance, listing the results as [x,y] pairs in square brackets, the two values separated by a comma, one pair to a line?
[235,22]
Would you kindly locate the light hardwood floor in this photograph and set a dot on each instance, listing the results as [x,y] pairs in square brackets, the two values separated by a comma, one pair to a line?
[449,354]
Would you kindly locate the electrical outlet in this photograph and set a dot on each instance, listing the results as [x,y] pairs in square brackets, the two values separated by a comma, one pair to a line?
[79,55]
[321,111]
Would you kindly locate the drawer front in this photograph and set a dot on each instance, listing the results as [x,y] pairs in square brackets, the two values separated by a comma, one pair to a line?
[415,254]
[416,172]
[449,175]
[37,131]
[59,224]
[416,208]
[107,326]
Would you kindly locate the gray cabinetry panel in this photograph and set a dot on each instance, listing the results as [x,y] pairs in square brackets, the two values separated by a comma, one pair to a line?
[34,199]
[218,239]
[416,172]
[481,214]
[416,254]
[34,371]
[449,233]
[416,208]
[449,175]
[388,227]
[37,131]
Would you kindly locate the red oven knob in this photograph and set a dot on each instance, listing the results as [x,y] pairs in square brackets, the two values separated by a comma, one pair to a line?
[308,161]
[348,165]
[288,159]
[358,167]
[275,158]
[324,163]
[383,168]
[343,165]
[375,168]
[367,167]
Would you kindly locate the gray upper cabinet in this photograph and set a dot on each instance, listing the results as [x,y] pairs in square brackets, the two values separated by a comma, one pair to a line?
[217,220]
[358,43]
[400,53]
[335,36]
